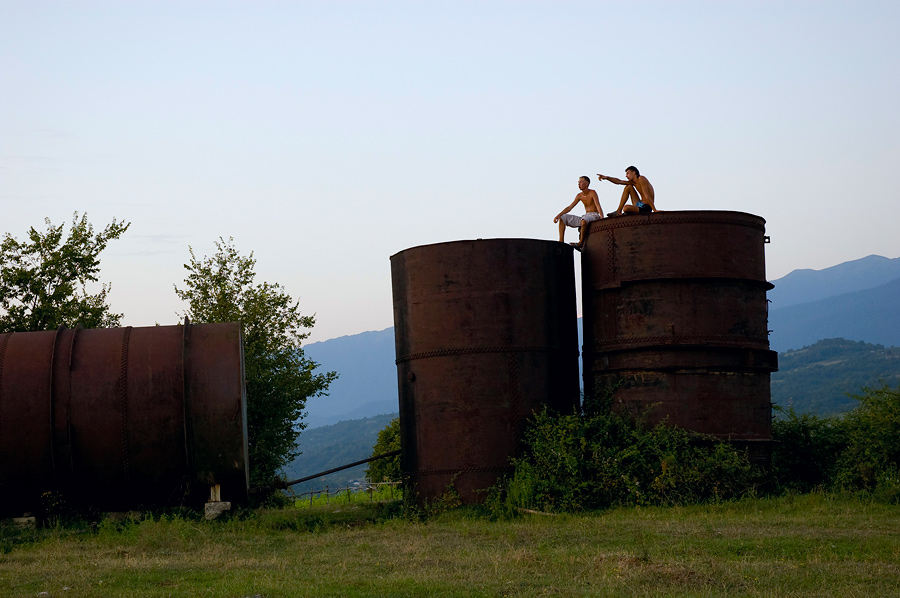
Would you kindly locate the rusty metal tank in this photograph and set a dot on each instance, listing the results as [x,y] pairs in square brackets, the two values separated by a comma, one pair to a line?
[675,321]
[122,418]
[485,333]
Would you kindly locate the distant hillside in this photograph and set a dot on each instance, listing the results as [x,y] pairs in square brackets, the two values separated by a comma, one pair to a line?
[872,315]
[367,383]
[328,447]
[805,286]
[817,379]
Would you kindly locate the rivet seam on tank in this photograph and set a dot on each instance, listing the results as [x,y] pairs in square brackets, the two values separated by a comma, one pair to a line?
[608,224]
[471,350]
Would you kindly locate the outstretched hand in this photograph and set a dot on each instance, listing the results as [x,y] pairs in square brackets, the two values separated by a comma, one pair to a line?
[600,177]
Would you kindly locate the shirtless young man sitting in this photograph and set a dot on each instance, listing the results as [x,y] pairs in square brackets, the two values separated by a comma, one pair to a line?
[638,188]
[592,211]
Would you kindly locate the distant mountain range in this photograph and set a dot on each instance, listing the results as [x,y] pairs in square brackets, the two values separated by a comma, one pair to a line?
[858,300]
[806,286]
[367,377]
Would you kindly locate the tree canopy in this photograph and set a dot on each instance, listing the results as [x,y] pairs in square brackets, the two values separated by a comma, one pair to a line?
[387,469]
[279,378]
[44,280]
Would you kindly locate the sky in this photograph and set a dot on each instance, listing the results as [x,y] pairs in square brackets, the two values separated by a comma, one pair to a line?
[325,137]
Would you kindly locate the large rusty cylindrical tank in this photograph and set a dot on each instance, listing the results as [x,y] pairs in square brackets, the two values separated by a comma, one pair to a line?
[675,321]
[486,333]
[122,418]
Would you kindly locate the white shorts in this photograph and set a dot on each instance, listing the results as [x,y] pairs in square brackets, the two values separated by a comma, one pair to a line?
[575,221]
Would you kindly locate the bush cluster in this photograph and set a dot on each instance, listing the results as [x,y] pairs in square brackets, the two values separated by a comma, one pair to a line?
[856,451]
[599,459]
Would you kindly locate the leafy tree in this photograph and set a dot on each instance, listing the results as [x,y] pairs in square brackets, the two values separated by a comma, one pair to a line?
[279,378]
[44,280]
[388,469]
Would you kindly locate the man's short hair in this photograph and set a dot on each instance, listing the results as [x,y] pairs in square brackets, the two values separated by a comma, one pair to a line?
[634,170]
[587,178]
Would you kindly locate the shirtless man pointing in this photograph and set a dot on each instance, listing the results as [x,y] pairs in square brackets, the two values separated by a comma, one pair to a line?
[592,211]
[637,188]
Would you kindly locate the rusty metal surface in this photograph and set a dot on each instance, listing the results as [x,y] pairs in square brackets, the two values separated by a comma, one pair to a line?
[101,415]
[675,320]
[717,312]
[684,244]
[485,333]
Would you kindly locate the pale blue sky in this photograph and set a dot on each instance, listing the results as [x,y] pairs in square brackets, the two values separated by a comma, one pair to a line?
[327,136]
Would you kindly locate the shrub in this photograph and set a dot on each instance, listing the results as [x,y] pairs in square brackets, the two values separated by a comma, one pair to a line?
[600,459]
[871,459]
[806,450]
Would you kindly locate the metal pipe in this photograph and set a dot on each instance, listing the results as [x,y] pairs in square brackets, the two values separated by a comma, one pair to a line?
[343,467]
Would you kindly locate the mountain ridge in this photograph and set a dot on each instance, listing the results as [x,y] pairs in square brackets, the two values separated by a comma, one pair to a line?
[806,285]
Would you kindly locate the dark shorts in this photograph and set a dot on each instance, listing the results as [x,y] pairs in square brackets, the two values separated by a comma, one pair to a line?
[643,207]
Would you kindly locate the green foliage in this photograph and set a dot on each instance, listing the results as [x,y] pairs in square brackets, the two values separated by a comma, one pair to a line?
[805,451]
[388,469]
[44,280]
[857,451]
[871,460]
[279,377]
[821,378]
[597,460]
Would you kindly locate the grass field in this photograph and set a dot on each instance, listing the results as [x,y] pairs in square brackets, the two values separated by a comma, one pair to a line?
[371,493]
[811,545]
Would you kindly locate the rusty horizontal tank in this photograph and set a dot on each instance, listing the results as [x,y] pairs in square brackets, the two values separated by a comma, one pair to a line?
[485,333]
[122,418]
[675,321]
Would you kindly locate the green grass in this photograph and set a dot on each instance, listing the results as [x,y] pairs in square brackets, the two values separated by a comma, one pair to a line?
[811,545]
[376,493]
